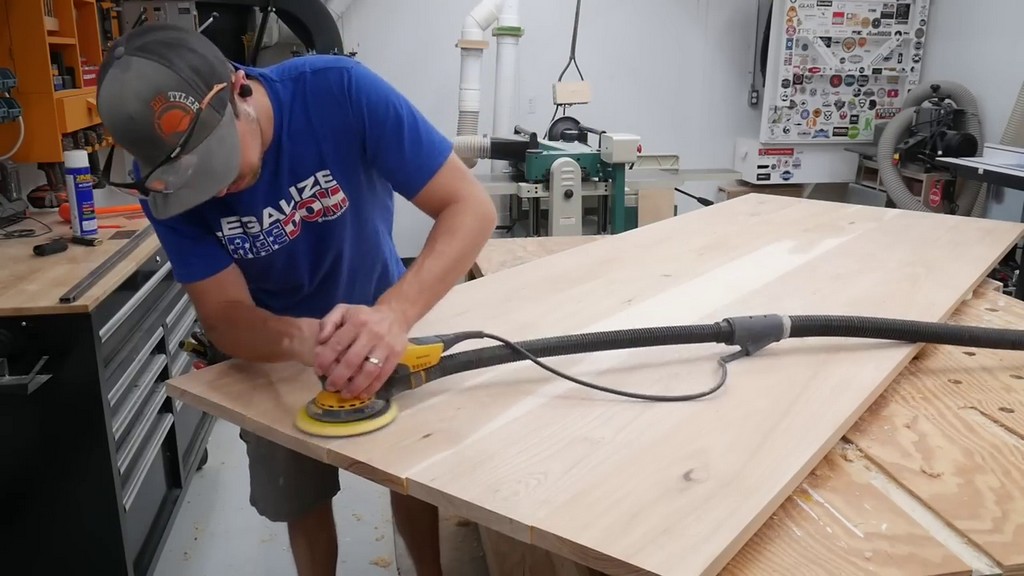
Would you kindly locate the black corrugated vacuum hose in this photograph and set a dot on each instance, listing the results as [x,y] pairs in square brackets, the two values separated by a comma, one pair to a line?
[750,333]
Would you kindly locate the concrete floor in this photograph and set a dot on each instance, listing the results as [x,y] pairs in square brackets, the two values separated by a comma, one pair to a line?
[217,532]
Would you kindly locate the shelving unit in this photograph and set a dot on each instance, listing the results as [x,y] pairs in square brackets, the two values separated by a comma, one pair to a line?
[47,43]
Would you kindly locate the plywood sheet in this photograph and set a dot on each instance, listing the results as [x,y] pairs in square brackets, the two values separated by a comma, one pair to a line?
[949,430]
[626,486]
[505,253]
[838,521]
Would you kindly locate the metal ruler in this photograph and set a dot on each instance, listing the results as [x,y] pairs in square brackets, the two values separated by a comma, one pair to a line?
[97,274]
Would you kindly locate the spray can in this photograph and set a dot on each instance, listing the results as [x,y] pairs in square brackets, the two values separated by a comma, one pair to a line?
[78,184]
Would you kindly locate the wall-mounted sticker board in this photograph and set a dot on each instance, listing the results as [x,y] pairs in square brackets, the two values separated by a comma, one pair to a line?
[838,68]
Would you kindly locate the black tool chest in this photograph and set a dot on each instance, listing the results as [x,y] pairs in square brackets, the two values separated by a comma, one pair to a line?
[95,462]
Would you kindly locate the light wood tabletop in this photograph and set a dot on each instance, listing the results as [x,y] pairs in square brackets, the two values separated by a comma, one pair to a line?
[927,482]
[31,284]
[627,486]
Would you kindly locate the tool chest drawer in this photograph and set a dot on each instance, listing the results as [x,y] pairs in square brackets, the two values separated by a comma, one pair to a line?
[180,323]
[125,367]
[151,487]
[137,410]
[186,421]
[143,299]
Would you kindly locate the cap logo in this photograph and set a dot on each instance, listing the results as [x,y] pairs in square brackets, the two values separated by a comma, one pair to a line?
[172,113]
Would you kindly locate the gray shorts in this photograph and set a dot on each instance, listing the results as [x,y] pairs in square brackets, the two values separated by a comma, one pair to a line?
[284,484]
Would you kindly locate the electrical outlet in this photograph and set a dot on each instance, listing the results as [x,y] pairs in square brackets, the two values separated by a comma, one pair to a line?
[531,105]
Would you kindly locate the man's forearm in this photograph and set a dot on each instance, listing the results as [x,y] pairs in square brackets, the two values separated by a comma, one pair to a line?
[247,332]
[454,242]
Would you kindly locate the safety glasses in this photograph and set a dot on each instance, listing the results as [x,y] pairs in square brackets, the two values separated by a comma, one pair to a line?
[171,172]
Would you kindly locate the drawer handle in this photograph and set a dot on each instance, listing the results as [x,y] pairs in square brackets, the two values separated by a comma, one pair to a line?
[181,330]
[180,366]
[136,365]
[132,445]
[177,310]
[122,418]
[148,457]
[132,304]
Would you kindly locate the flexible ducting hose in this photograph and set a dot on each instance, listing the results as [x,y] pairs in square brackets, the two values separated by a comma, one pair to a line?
[472,147]
[1012,136]
[750,334]
[970,195]
[468,125]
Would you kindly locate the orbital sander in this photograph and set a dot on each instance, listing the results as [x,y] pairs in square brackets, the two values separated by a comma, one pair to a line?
[330,414]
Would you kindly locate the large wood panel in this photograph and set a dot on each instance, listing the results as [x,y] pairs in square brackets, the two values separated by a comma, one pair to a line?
[625,486]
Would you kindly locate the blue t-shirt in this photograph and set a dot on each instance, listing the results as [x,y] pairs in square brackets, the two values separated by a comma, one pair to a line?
[315,230]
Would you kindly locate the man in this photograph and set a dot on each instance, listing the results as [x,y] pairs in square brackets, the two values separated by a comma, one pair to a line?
[272,192]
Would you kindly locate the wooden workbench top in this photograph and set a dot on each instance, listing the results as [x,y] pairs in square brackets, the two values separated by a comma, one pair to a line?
[627,486]
[33,284]
[927,482]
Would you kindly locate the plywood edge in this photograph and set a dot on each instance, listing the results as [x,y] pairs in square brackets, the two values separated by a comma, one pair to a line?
[946,460]
[75,308]
[585,556]
[839,521]
[392,482]
[940,528]
[510,557]
[474,513]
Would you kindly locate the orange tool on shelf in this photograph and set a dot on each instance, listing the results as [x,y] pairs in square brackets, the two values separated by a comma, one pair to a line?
[65,211]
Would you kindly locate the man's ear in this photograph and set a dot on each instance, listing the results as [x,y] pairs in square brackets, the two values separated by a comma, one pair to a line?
[239,84]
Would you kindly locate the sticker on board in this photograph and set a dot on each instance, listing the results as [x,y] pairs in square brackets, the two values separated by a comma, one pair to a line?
[864,54]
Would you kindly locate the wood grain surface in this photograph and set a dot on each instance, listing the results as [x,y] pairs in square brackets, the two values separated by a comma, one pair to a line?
[33,284]
[508,253]
[849,516]
[630,487]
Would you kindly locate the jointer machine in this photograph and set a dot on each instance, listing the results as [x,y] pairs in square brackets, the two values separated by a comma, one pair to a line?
[572,171]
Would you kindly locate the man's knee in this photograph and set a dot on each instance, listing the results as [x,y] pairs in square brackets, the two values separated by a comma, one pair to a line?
[285,485]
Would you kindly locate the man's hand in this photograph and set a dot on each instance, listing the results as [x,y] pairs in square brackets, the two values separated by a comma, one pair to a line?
[304,346]
[359,348]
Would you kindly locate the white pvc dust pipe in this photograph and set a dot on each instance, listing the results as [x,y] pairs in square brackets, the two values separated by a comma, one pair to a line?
[505,75]
[472,44]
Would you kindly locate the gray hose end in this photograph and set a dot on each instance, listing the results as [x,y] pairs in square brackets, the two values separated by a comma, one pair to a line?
[755,333]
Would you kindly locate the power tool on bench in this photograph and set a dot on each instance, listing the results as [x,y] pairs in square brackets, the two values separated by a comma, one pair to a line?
[200,347]
[330,414]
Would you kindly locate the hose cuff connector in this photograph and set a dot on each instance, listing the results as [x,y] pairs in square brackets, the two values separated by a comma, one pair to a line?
[755,333]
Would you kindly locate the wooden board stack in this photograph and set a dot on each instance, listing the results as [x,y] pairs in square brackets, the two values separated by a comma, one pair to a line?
[628,486]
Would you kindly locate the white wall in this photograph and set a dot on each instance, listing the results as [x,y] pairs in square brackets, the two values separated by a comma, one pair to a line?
[672,71]
[989,61]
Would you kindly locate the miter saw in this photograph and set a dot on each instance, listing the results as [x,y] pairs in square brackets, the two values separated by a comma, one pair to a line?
[570,163]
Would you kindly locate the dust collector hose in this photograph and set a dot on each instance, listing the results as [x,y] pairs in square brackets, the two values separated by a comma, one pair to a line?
[750,334]
[468,126]
[901,195]
[472,147]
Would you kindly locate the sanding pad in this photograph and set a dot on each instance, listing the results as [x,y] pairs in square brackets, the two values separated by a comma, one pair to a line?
[384,415]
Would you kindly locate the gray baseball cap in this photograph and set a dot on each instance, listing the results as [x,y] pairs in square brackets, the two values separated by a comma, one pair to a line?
[154,84]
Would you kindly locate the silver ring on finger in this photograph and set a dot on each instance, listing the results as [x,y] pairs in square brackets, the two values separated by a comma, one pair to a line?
[374,361]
